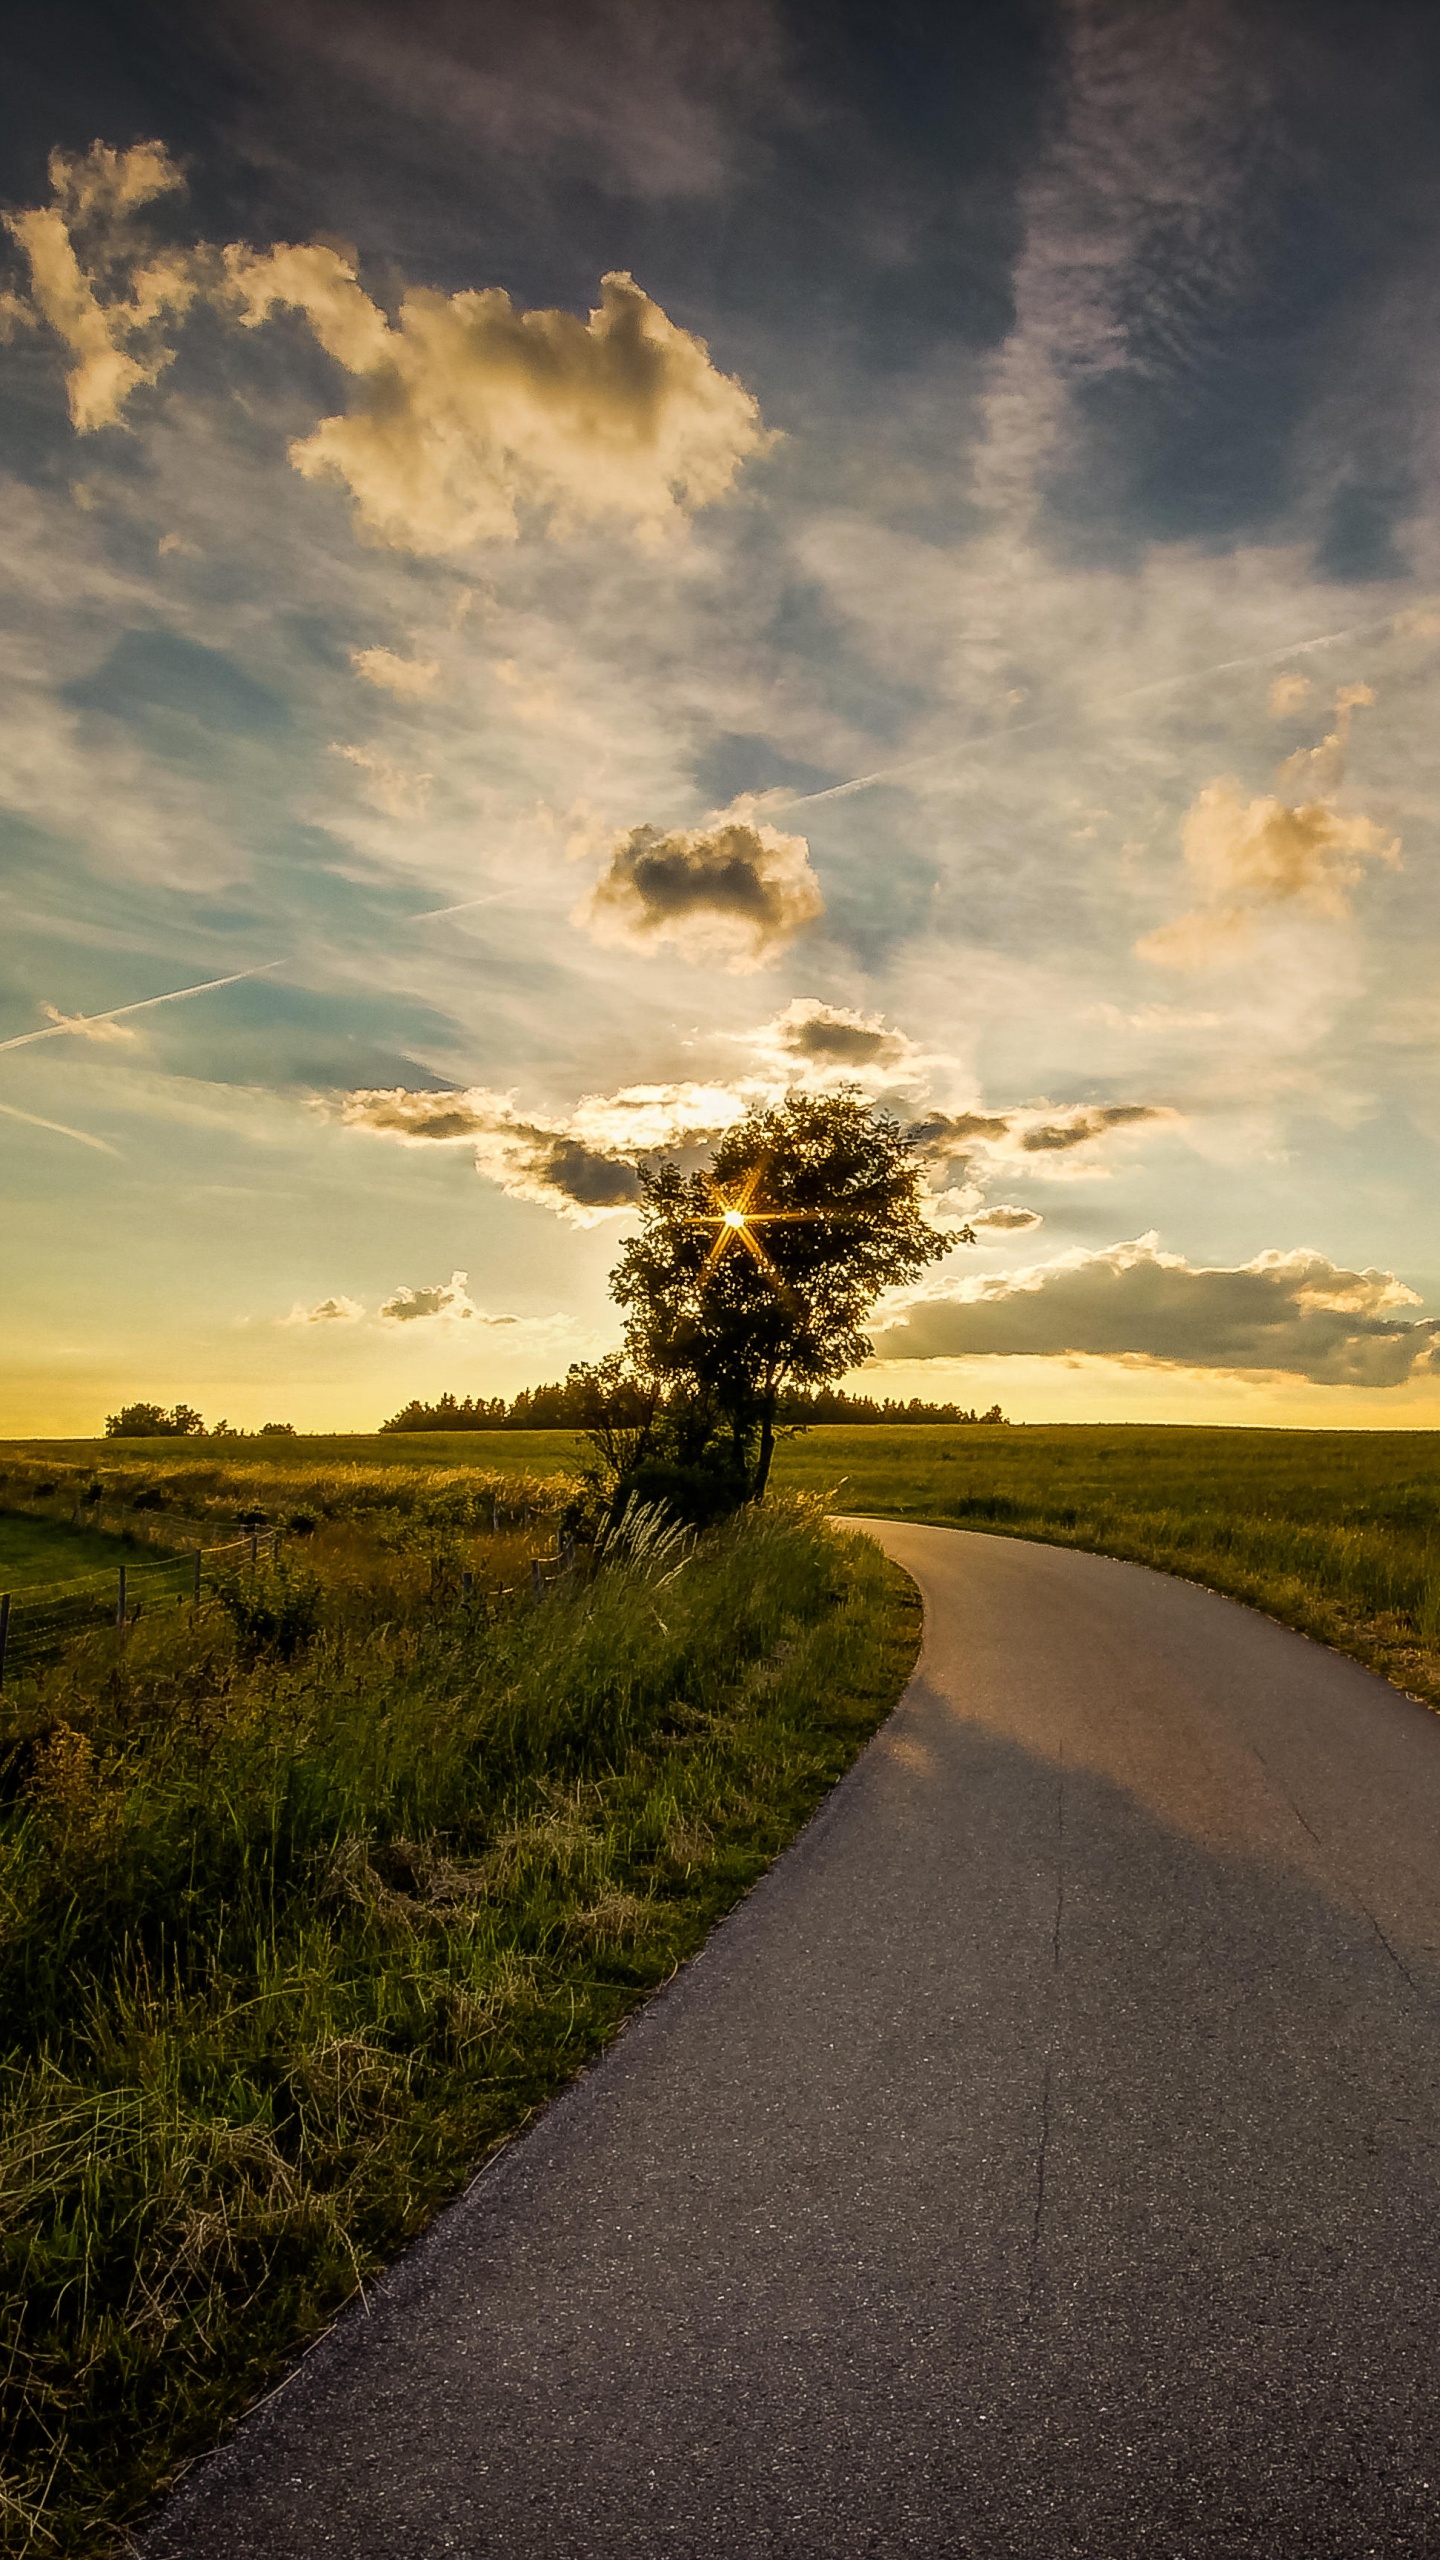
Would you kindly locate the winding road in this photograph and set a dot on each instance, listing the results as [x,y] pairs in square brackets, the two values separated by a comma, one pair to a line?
[1043,2161]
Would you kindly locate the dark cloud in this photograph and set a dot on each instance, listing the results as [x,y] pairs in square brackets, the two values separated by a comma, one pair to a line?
[735,892]
[584,1166]
[1055,1137]
[831,1037]
[1293,1313]
[946,1132]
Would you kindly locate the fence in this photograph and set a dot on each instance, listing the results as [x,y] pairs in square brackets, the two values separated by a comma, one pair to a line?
[39,1620]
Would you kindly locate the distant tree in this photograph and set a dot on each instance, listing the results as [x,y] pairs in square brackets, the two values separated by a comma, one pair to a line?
[758,1275]
[153,1422]
[276,1431]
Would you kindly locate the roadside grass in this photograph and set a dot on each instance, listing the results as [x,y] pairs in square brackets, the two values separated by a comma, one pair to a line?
[1336,1533]
[307,1905]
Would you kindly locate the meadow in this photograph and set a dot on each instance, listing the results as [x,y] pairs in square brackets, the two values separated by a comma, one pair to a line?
[311,1895]
[1336,1533]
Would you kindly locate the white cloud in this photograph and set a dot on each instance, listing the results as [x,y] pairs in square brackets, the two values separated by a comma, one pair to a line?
[1288,1313]
[113,313]
[445,1301]
[407,678]
[329,1311]
[1249,858]
[729,892]
[387,786]
[471,412]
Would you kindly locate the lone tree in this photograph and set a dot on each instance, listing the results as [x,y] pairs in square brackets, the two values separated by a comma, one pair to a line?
[757,1276]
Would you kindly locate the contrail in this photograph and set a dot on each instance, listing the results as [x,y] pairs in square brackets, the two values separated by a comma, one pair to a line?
[59,1128]
[492,899]
[1047,719]
[81,1022]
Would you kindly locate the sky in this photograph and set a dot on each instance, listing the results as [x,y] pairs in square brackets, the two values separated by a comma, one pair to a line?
[570,566]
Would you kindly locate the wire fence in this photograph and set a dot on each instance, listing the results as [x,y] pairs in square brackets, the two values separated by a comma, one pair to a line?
[40,1619]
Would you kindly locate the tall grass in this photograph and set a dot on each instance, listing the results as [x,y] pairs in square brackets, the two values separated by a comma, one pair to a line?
[306,1905]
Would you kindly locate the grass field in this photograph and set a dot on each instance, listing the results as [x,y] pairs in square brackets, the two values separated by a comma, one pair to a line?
[35,1551]
[309,1899]
[1334,1532]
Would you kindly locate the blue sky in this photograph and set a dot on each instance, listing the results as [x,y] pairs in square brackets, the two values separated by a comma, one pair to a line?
[619,559]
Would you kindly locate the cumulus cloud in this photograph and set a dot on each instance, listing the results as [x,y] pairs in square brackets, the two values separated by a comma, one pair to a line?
[1249,858]
[470,411]
[582,1164]
[329,1311]
[109,302]
[468,414]
[407,678]
[445,1300]
[731,892]
[824,1041]
[1295,1314]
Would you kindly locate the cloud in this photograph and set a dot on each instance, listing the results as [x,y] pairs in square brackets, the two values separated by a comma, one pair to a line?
[1006,1219]
[447,1300]
[731,892]
[407,678]
[1287,694]
[102,1028]
[108,303]
[1077,1127]
[826,1041]
[1253,857]
[328,1311]
[582,1164]
[471,412]
[943,1137]
[1294,1314]
[387,785]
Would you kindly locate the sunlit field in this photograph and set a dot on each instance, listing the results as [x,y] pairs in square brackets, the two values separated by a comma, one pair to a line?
[315,1889]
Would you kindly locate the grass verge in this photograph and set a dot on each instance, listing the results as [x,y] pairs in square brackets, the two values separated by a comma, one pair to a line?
[306,1907]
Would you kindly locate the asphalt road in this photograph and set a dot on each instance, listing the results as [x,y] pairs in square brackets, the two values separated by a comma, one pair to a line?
[1045,2160]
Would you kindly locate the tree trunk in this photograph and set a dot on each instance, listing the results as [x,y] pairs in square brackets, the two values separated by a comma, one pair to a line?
[767,1446]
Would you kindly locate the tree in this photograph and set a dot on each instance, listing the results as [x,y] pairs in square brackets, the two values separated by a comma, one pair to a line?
[153,1422]
[759,1274]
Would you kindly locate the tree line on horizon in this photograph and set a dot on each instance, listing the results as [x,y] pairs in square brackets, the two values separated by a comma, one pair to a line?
[566,1405]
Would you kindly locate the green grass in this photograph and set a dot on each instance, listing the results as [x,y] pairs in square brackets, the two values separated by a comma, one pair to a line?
[307,1904]
[45,1551]
[1334,1532]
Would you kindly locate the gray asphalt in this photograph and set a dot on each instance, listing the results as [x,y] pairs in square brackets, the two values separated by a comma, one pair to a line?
[1044,2160]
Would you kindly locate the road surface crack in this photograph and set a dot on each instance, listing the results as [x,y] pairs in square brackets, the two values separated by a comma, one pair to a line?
[1347,1882]
[1041,2161]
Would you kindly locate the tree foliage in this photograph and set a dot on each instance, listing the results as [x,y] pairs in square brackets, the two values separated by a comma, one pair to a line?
[153,1422]
[759,1274]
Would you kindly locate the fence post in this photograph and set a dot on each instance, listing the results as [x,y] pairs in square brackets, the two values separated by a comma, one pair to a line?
[254,1548]
[4,1632]
[536,1584]
[120,1604]
[195,1590]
